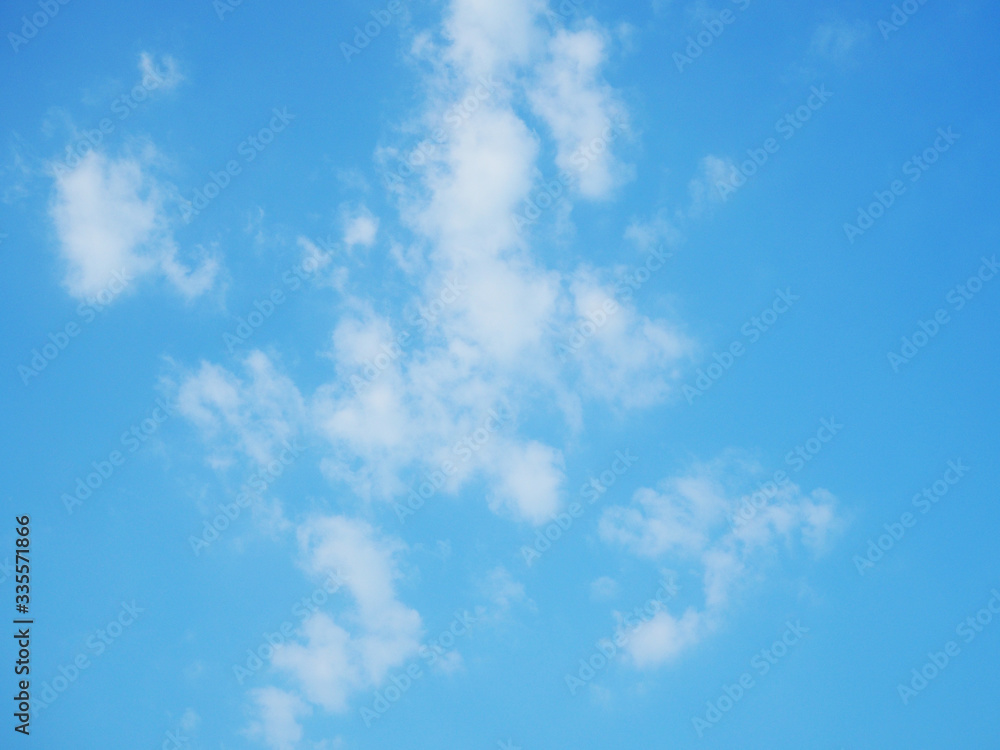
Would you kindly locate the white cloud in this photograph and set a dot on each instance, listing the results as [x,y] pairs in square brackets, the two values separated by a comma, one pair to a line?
[529,479]
[278,713]
[416,406]
[110,219]
[486,36]
[251,418]
[677,520]
[581,110]
[471,189]
[163,74]
[704,187]
[325,665]
[663,637]
[337,659]
[497,336]
[360,228]
[495,340]
[623,356]
[690,517]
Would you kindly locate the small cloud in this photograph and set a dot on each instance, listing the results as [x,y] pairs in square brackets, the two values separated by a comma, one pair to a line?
[603,588]
[660,639]
[705,188]
[360,228]
[110,218]
[278,714]
[162,74]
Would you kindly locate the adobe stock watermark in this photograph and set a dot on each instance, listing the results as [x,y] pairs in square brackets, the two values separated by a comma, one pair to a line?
[175,739]
[761,663]
[592,491]
[123,106]
[292,280]
[714,27]
[914,168]
[431,652]
[259,656]
[95,645]
[420,319]
[797,458]
[249,148]
[752,330]
[900,16]
[454,118]
[605,649]
[363,36]
[553,191]
[558,15]
[61,338]
[923,501]
[256,484]
[224,7]
[48,9]
[957,297]
[789,124]
[462,450]
[938,661]
[131,440]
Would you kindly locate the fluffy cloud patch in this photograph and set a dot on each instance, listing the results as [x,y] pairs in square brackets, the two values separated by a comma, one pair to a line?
[277,718]
[581,110]
[360,228]
[110,220]
[694,517]
[406,395]
[252,417]
[335,659]
[705,187]
[163,74]
[663,637]
[486,36]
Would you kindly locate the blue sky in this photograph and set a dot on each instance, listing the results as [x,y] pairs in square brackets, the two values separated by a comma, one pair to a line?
[504,375]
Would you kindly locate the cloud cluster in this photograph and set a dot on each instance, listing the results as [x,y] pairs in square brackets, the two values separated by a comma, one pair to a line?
[380,632]
[335,657]
[689,517]
[498,315]
[485,328]
[251,417]
[110,213]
